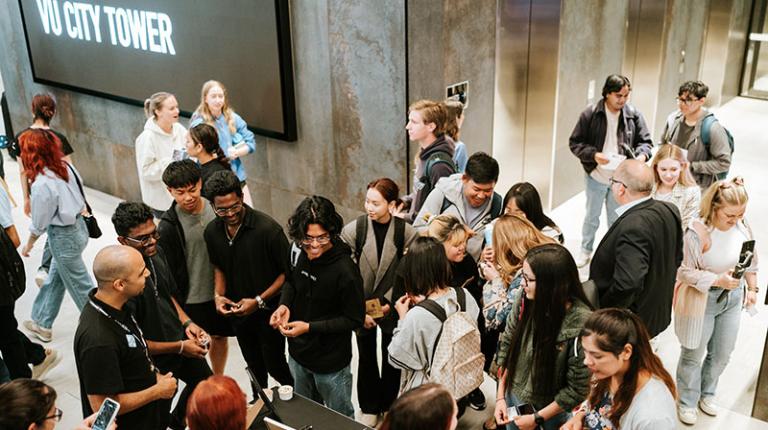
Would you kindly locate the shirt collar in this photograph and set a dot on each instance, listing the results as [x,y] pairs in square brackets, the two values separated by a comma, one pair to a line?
[621,210]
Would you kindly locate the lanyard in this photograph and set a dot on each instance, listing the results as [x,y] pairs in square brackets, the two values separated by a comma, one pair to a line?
[139,338]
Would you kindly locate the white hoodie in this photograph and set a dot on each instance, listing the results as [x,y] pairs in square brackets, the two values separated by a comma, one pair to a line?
[154,152]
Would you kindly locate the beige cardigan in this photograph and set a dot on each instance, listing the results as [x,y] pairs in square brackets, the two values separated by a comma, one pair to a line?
[692,288]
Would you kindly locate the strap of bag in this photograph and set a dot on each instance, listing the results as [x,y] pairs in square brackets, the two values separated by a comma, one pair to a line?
[80,186]
[361,231]
[496,203]
[399,235]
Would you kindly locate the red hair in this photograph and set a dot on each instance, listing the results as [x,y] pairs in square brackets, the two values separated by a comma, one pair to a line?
[43,107]
[216,404]
[40,149]
[387,188]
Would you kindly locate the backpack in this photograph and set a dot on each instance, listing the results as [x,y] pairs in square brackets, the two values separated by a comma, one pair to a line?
[457,362]
[436,158]
[13,279]
[673,122]
[361,232]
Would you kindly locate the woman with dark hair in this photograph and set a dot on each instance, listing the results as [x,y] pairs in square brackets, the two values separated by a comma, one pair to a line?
[427,275]
[429,406]
[522,199]
[43,111]
[541,364]
[379,241]
[455,111]
[632,390]
[29,404]
[203,144]
[320,306]
[217,404]
[57,205]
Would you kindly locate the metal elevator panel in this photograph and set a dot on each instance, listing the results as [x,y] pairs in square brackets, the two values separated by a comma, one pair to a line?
[754,81]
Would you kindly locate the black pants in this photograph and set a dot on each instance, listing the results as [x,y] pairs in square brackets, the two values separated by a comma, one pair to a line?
[17,350]
[375,391]
[190,370]
[489,341]
[263,348]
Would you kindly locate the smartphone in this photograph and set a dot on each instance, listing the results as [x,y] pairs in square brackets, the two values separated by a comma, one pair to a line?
[745,259]
[107,414]
[525,409]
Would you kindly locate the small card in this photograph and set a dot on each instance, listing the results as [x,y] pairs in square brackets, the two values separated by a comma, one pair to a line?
[131,341]
[613,161]
[373,308]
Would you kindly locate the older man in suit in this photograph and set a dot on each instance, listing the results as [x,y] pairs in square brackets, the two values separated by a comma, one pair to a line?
[636,263]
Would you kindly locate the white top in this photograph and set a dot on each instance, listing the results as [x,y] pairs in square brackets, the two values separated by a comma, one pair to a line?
[610,146]
[653,408]
[724,253]
[154,152]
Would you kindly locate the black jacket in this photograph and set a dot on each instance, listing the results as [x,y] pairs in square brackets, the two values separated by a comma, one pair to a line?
[439,170]
[636,263]
[174,246]
[588,136]
[328,294]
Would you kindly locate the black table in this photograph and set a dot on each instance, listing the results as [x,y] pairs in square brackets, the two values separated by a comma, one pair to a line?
[300,411]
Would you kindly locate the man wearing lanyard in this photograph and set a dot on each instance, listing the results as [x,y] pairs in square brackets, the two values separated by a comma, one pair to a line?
[175,343]
[110,351]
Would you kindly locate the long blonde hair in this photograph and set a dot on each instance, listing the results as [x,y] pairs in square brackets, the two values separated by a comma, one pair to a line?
[513,237]
[676,153]
[722,193]
[205,112]
[448,228]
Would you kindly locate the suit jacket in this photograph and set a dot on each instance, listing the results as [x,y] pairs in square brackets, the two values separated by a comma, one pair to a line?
[636,263]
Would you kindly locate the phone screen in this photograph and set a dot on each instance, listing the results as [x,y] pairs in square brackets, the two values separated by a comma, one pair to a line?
[525,409]
[107,414]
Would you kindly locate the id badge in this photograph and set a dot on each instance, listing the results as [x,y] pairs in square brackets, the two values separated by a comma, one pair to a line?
[131,341]
[373,308]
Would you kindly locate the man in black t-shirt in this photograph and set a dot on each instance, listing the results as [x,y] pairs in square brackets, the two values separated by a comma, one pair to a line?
[176,343]
[249,252]
[110,351]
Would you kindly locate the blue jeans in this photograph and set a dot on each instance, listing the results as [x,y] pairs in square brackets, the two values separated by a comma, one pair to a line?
[718,338]
[597,194]
[332,389]
[67,271]
[553,423]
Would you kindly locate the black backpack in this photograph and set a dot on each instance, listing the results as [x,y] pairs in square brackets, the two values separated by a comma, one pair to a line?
[436,158]
[13,280]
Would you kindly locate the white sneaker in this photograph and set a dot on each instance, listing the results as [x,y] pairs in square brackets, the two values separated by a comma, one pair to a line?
[41,277]
[368,420]
[584,258]
[687,415]
[708,406]
[44,334]
[52,358]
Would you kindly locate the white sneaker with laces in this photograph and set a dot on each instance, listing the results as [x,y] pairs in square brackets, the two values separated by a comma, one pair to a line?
[584,258]
[40,277]
[708,406]
[44,334]
[687,415]
[52,358]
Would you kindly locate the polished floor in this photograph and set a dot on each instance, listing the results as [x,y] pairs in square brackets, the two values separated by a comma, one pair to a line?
[744,117]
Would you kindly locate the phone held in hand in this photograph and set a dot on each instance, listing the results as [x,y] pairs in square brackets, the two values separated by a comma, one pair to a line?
[107,414]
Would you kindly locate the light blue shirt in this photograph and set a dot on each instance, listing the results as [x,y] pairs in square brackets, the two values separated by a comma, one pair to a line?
[54,201]
[6,220]
[227,139]
[625,207]
[460,156]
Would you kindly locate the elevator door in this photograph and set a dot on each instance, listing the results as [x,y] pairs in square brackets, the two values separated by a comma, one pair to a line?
[754,82]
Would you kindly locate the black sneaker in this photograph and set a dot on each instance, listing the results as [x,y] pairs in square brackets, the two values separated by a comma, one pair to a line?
[476,399]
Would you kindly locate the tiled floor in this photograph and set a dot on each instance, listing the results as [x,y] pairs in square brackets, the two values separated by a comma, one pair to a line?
[744,117]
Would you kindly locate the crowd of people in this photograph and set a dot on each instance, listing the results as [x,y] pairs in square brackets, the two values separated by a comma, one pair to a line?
[440,288]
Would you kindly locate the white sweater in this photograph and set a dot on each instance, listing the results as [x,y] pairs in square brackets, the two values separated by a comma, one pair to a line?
[154,152]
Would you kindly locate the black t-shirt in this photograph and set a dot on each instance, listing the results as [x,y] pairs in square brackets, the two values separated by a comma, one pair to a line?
[211,167]
[112,361]
[255,258]
[466,270]
[154,310]
[380,233]
[65,146]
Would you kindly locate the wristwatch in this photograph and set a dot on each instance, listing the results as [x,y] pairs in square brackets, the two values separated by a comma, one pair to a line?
[261,303]
[538,418]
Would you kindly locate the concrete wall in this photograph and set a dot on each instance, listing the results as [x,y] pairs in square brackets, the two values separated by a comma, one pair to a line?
[349,65]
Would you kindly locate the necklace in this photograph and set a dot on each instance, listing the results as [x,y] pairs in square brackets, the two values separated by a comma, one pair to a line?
[153,278]
[231,239]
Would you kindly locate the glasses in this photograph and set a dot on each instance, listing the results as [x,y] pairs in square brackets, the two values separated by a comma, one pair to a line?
[228,211]
[146,239]
[527,279]
[687,101]
[612,181]
[321,240]
[56,415]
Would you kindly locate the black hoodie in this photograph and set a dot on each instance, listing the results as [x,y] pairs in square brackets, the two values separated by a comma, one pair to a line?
[328,294]
[439,170]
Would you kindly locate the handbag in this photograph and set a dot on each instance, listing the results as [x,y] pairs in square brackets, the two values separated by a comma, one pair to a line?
[90,221]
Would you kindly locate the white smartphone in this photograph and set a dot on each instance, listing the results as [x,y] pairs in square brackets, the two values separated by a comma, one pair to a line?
[107,414]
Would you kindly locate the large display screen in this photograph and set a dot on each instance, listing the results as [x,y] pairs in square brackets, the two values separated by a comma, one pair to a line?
[129,49]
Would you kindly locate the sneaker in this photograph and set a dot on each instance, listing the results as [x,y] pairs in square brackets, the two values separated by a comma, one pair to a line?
[43,334]
[687,415]
[584,258]
[369,420]
[52,358]
[41,277]
[476,399]
[708,406]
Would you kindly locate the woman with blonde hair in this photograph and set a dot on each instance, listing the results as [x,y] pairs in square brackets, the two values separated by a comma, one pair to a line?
[709,297]
[674,182]
[155,148]
[235,139]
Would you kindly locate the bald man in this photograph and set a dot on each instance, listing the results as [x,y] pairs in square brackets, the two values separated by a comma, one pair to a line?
[636,263]
[110,351]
